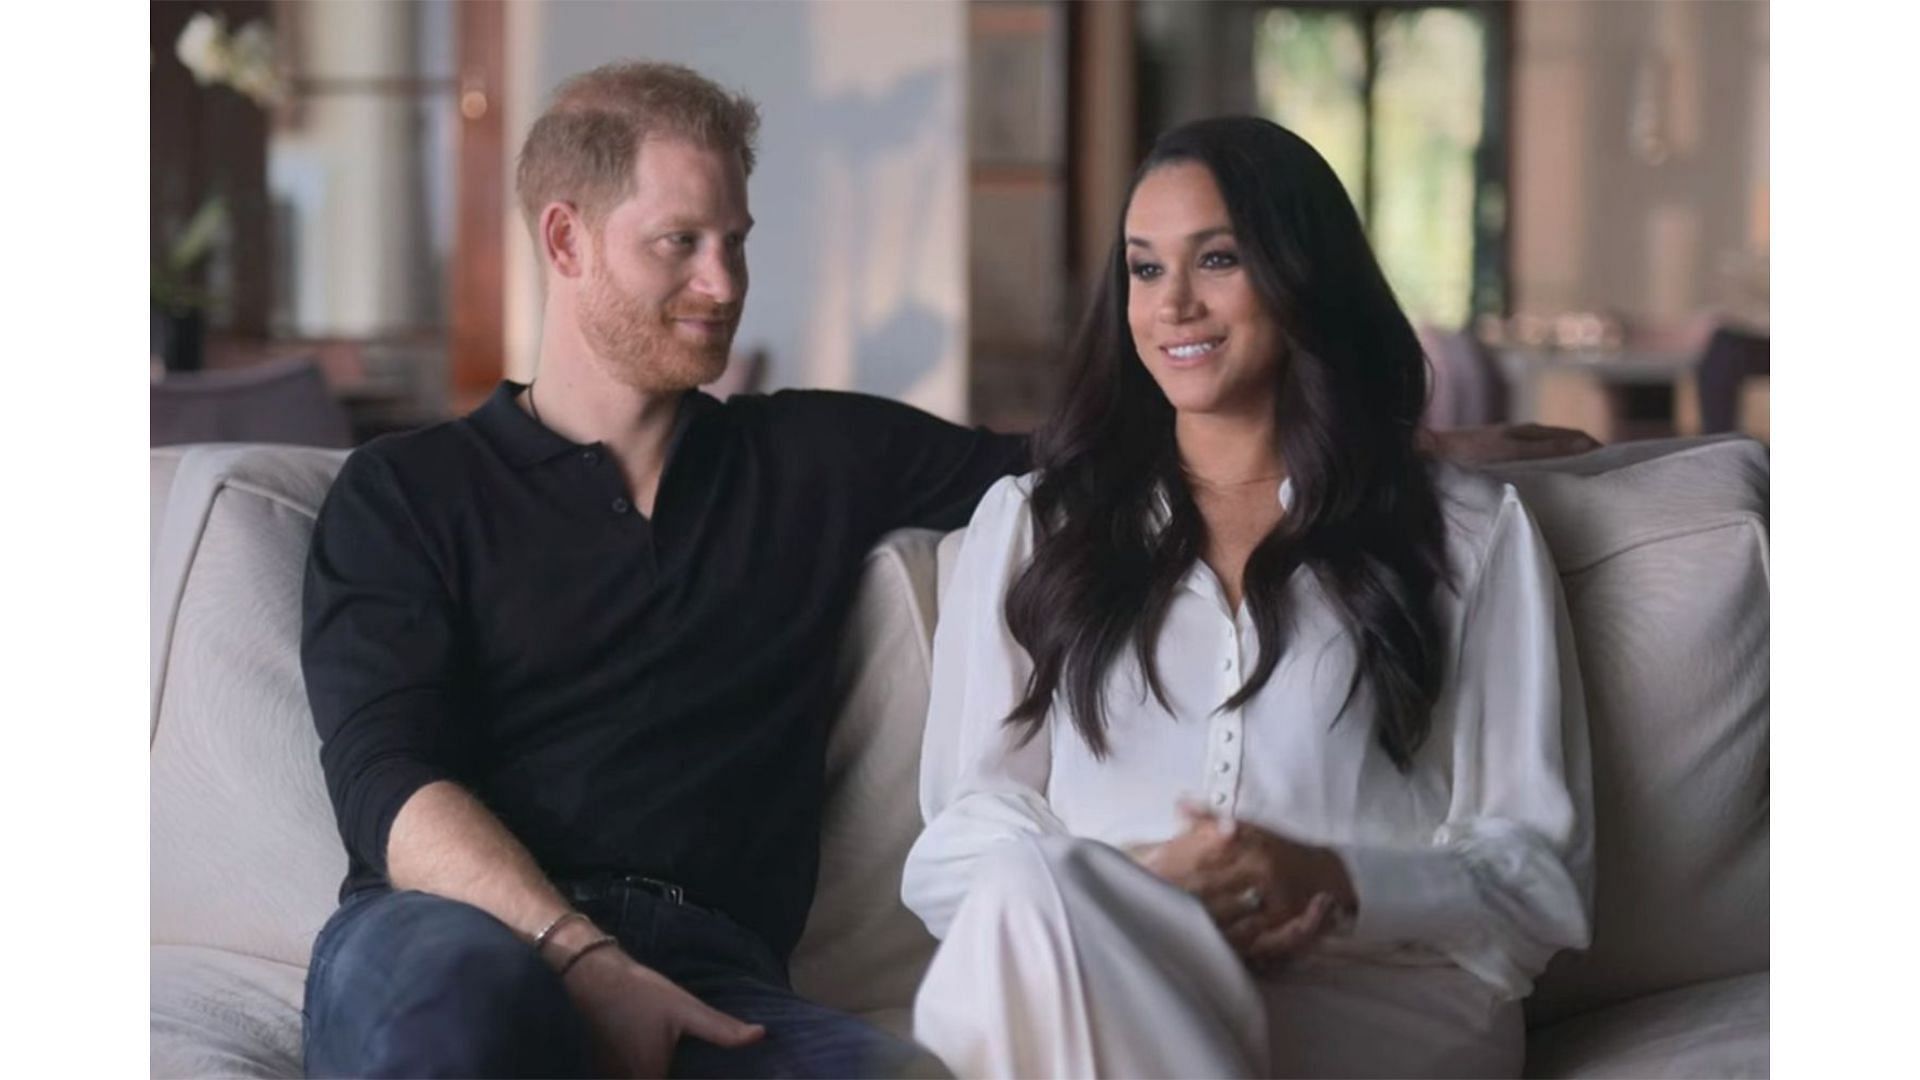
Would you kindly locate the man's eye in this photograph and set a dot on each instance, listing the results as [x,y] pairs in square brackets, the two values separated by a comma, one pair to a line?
[684,240]
[1219,260]
[1144,271]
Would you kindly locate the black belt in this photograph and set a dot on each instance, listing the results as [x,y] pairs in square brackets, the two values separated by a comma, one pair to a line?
[602,886]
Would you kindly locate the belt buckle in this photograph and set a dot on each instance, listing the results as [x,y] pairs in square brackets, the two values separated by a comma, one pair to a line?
[666,890]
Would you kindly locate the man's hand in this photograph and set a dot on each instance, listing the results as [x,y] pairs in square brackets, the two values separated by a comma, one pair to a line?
[1505,442]
[638,1015]
[1270,896]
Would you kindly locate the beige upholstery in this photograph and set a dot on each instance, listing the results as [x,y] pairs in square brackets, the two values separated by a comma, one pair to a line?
[1664,562]
[1716,1029]
[863,951]
[245,855]
[1662,549]
[221,1013]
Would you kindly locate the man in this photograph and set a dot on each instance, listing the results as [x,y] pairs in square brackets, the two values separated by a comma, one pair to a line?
[569,656]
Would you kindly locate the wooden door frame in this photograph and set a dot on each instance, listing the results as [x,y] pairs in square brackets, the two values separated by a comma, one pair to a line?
[476,275]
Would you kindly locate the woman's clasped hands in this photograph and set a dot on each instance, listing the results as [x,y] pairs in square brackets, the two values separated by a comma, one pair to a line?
[1271,897]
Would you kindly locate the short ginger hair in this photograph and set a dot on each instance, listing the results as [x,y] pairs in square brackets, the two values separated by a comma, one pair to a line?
[582,148]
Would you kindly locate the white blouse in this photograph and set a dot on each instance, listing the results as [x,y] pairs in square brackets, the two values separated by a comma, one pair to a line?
[1481,856]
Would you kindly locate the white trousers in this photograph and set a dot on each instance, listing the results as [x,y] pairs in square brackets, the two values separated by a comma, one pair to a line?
[1068,960]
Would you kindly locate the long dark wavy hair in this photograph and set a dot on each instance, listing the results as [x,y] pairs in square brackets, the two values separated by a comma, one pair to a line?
[1363,518]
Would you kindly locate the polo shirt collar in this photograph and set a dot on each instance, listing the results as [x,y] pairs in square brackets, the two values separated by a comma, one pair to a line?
[525,442]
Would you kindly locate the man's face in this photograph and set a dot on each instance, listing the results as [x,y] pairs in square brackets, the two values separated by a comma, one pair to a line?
[667,277]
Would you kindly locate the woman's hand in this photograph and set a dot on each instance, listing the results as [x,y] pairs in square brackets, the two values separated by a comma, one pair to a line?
[1270,896]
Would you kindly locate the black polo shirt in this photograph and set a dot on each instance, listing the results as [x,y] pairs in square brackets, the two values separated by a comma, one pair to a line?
[630,695]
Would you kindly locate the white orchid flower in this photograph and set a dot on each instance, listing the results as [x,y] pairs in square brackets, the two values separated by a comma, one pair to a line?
[202,48]
[250,64]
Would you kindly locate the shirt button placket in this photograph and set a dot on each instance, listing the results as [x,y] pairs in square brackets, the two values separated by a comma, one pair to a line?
[1224,772]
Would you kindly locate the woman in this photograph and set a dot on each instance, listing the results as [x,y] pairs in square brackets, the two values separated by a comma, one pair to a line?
[1256,744]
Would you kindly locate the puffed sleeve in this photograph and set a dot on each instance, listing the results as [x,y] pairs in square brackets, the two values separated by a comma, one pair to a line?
[978,788]
[1506,880]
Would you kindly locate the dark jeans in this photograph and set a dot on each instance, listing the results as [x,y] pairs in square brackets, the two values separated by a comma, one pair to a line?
[411,984]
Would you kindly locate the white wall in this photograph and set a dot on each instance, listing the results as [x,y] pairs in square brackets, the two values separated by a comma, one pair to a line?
[858,257]
[1596,227]
[361,243]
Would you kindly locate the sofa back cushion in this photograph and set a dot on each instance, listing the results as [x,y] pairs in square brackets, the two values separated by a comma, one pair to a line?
[1663,554]
[863,951]
[244,851]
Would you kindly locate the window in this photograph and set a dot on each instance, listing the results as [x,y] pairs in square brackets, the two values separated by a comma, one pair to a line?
[1406,102]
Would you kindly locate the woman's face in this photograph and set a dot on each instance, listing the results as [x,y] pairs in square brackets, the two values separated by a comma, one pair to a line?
[1197,322]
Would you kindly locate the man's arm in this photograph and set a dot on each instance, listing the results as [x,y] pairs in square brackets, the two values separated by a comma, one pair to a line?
[445,842]
[921,471]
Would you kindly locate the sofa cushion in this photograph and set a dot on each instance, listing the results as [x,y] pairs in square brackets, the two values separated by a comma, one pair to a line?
[1662,550]
[862,950]
[161,465]
[219,1013]
[1716,1028]
[245,855]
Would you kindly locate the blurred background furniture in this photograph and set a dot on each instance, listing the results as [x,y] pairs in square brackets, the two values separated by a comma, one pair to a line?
[1698,376]
[280,401]
[1615,395]
[1733,367]
[1468,389]
[1662,550]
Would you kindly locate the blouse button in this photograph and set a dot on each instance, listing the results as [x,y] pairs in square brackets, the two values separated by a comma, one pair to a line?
[621,506]
[1227,735]
[1226,767]
[1219,798]
[1227,664]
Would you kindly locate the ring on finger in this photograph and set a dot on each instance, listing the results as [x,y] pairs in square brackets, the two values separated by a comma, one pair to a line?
[1252,899]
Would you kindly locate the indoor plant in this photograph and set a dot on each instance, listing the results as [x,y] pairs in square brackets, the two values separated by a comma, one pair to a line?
[243,62]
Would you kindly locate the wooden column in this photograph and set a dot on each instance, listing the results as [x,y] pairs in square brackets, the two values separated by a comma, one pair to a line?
[476,274]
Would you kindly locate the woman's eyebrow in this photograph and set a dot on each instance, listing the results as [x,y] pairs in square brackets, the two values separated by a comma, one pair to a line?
[1203,234]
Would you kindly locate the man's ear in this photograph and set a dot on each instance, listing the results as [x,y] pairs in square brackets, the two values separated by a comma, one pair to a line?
[564,239]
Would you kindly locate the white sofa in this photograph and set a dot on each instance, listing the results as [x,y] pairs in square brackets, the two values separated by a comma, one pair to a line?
[1662,549]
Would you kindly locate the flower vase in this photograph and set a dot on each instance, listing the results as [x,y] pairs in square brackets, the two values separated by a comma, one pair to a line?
[179,338]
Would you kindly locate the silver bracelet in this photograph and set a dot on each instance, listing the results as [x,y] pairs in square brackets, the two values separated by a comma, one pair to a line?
[597,943]
[546,932]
